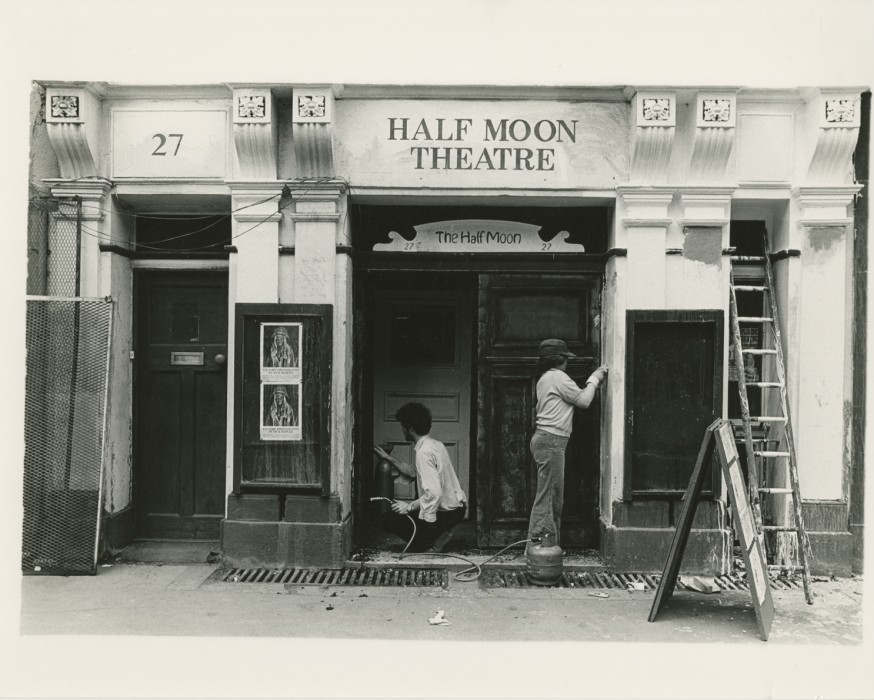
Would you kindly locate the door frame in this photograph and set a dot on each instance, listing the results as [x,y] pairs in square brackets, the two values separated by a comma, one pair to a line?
[365,264]
[142,269]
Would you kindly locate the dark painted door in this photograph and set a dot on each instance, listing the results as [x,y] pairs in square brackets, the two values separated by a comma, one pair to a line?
[181,404]
[673,392]
[516,312]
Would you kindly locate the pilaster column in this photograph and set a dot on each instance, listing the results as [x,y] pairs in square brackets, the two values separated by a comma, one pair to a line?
[323,275]
[255,231]
[823,339]
[62,232]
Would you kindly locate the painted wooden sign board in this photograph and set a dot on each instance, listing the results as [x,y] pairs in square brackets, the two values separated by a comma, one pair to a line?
[478,236]
[719,437]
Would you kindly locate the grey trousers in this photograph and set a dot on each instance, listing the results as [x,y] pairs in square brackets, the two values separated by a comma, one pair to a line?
[548,452]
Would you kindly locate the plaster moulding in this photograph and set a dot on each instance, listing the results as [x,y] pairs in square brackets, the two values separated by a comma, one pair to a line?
[312,113]
[703,208]
[715,120]
[641,207]
[837,117]
[832,206]
[255,133]
[67,109]
[654,127]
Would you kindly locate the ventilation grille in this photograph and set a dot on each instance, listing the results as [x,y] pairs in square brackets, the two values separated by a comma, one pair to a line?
[601,580]
[412,577]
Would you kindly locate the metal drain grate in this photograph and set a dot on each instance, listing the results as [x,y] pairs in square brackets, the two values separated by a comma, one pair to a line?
[415,578]
[516,578]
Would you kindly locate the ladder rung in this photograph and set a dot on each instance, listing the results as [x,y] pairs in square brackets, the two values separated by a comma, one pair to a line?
[748,258]
[755,319]
[776,491]
[757,351]
[770,453]
[750,288]
[765,385]
[780,528]
[759,419]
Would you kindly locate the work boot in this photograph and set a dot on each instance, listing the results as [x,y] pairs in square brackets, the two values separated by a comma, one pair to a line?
[441,542]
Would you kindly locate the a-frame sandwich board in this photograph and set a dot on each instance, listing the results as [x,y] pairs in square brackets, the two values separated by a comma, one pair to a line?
[720,437]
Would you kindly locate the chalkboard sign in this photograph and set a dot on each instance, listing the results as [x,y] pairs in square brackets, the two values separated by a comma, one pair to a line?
[719,436]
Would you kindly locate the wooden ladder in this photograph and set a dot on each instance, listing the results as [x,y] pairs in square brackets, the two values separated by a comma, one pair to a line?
[772,452]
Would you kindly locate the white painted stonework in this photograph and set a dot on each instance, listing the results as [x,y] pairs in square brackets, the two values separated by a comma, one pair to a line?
[471,144]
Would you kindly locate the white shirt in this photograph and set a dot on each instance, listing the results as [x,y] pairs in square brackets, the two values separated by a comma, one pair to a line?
[557,394]
[439,488]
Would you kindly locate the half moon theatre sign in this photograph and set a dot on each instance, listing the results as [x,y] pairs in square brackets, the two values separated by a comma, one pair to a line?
[478,236]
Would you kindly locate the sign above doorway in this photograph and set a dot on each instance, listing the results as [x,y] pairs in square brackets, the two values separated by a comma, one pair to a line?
[478,236]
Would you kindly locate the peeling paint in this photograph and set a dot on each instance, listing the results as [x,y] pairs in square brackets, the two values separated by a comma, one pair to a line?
[824,237]
[703,245]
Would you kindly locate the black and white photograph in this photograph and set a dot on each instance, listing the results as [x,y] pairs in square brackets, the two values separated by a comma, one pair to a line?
[280,412]
[281,352]
[582,292]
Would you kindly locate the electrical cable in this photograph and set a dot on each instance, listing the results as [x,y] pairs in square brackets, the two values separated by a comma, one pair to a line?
[474,568]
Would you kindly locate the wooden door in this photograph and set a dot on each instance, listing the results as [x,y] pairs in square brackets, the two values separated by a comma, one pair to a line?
[181,404]
[673,387]
[422,352]
[516,312]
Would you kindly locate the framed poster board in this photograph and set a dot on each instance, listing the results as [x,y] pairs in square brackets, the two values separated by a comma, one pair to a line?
[719,437]
[282,400]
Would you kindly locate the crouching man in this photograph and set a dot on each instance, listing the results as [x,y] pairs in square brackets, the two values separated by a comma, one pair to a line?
[441,504]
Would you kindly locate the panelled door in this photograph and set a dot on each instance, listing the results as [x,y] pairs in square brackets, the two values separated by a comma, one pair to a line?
[181,404]
[422,352]
[516,312]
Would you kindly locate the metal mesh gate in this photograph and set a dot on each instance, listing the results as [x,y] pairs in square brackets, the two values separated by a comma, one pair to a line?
[68,342]
[54,239]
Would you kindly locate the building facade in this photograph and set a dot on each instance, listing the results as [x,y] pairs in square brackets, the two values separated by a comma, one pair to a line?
[290,263]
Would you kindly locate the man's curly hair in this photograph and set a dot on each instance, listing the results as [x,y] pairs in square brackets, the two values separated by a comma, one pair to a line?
[416,416]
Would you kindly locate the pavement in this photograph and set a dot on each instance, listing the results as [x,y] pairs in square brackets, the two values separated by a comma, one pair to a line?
[180,598]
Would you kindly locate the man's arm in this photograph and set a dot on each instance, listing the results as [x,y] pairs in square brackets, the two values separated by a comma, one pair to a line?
[402,467]
[429,487]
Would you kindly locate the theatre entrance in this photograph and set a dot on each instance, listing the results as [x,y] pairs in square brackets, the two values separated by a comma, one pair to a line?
[464,342]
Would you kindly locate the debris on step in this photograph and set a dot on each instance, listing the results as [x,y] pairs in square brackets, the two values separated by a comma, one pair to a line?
[439,619]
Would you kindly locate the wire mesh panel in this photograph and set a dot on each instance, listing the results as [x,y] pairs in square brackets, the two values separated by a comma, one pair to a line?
[38,213]
[65,401]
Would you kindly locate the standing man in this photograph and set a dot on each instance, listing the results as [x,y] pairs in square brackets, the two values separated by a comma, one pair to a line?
[557,395]
[441,504]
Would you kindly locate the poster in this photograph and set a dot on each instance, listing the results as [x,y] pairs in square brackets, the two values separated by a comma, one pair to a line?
[280,411]
[281,346]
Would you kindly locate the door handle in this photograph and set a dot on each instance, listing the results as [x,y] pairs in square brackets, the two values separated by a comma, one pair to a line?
[220,359]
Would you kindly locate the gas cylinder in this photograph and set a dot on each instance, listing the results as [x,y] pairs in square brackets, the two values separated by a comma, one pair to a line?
[544,563]
[385,481]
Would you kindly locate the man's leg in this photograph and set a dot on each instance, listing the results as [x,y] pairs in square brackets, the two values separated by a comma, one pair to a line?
[401,526]
[542,519]
[446,520]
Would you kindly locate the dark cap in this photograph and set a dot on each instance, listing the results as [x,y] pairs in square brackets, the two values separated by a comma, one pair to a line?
[553,346]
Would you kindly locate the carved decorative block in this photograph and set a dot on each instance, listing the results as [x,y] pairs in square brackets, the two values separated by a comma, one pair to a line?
[716,110]
[65,106]
[840,111]
[251,106]
[310,106]
[656,109]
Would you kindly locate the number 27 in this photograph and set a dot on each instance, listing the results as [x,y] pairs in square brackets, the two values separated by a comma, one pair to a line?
[162,140]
